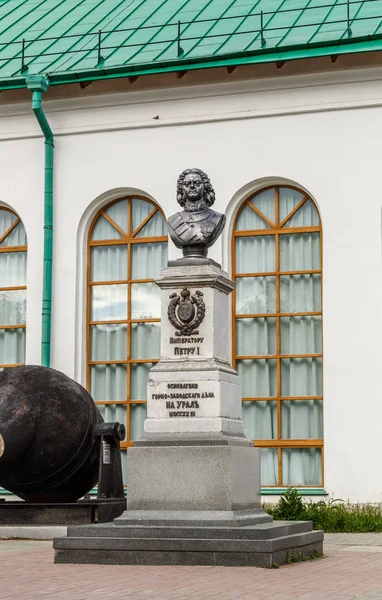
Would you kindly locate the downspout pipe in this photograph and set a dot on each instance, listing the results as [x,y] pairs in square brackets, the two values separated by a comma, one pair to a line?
[39,84]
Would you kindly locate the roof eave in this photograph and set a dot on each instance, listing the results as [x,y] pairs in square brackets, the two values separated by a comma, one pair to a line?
[298,52]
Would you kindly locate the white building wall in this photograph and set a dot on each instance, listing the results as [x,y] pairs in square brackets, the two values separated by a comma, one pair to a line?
[319,132]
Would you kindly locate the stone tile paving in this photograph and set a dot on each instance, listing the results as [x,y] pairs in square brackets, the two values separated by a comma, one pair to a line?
[346,573]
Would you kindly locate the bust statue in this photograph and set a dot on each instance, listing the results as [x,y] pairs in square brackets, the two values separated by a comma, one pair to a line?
[196,227]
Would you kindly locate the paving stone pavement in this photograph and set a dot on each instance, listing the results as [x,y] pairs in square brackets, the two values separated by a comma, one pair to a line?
[351,569]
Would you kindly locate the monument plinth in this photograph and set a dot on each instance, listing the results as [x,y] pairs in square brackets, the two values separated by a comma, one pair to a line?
[193,449]
[193,491]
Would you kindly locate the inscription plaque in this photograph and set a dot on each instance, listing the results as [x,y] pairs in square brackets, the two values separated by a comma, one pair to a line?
[182,399]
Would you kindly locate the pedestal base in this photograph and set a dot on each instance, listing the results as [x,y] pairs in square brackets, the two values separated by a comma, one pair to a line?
[191,503]
[254,546]
[195,477]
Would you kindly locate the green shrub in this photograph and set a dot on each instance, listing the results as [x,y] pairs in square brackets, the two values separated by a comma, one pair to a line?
[332,515]
[290,507]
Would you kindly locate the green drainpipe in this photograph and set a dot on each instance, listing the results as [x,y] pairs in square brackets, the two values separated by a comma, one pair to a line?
[39,84]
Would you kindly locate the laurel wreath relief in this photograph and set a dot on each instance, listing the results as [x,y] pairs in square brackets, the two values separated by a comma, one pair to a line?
[195,303]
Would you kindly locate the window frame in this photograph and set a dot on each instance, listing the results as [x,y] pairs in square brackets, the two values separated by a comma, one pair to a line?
[128,240]
[278,229]
[8,249]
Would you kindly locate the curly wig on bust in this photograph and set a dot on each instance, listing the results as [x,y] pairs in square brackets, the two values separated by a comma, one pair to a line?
[208,195]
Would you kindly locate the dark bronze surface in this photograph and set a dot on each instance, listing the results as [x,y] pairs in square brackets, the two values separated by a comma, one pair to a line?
[197,227]
[49,450]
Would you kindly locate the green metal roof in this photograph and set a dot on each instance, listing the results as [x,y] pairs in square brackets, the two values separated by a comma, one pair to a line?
[74,40]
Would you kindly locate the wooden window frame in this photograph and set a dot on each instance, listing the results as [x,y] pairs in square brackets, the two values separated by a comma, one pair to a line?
[127,240]
[277,229]
[12,288]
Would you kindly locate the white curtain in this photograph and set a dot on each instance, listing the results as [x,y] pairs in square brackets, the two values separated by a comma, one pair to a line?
[17,237]
[300,419]
[108,382]
[301,466]
[265,202]
[103,230]
[145,340]
[156,226]
[108,342]
[148,259]
[12,346]
[118,213]
[268,466]
[108,302]
[288,200]
[108,263]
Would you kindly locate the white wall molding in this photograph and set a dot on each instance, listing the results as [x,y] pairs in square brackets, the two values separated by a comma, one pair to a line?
[346,90]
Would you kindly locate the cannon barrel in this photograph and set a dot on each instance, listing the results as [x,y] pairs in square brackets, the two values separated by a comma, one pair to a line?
[48,448]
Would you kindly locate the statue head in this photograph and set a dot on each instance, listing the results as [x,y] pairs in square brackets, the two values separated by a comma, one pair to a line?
[194,186]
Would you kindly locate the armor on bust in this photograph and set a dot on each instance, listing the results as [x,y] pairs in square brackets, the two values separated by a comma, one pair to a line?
[197,227]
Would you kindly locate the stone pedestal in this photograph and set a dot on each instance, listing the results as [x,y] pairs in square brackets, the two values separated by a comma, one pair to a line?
[193,494]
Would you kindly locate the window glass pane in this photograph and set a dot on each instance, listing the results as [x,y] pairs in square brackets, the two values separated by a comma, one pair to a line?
[12,346]
[265,202]
[138,414]
[145,301]
[145,340]
[255,336]
[16,237]
[108,342]
[268,466]
[301,377]
[255,295]
[301,419]
[118,212]
[108,382]
[260,419]
[140,209]
[156,226]
[301,335]
[6,220]
[108,263]
[301,466]
[257,378]
[13,268]
[255,254]
[300,293]
[113,413]
[139,378]
[306,216]
[248,219]
[108,302]
[288,199]
[13,307]
[103,230]
[148,259]
[300,251]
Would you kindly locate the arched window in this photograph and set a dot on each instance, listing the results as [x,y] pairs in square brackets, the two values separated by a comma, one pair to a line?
[277,262]
[13,294]
[127,249]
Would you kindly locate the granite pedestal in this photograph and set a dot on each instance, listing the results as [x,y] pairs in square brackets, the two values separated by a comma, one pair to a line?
[193,494]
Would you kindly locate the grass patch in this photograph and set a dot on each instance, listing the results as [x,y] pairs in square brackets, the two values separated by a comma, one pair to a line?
[299,557]
[333,516]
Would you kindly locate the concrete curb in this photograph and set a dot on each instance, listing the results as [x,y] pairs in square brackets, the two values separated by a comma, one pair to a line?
[29,532]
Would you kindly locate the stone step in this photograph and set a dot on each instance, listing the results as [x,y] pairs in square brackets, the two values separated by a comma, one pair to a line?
[187,544]
[252,532]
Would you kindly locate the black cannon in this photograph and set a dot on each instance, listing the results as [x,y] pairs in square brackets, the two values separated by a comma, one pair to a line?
[54,446]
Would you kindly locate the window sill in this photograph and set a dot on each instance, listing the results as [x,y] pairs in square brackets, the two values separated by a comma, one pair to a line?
[302,491]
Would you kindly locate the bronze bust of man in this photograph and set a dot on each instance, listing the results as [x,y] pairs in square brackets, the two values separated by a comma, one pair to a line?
[197,227]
